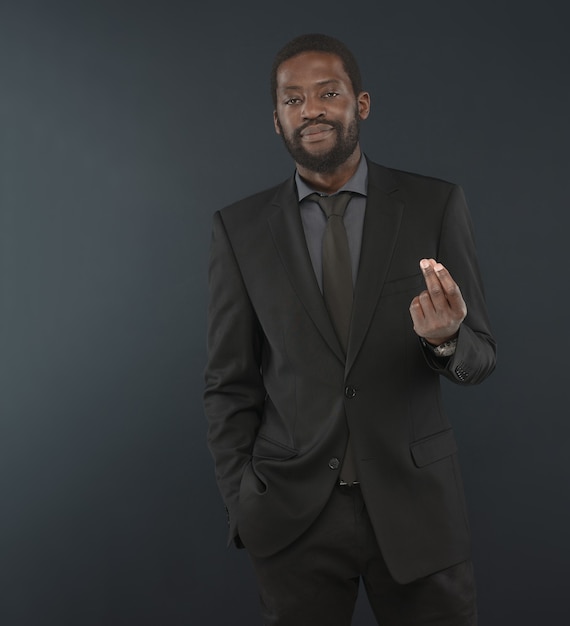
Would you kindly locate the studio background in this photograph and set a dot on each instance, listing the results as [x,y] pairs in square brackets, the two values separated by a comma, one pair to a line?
[124,126]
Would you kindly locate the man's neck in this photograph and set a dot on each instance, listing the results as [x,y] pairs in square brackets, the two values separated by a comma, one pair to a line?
[331,182]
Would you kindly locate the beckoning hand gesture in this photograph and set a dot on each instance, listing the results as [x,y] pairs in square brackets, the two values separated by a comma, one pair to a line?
[438,311]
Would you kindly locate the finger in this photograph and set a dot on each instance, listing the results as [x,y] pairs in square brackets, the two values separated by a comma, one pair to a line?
[422,310]
[447,282]
[433,283]
[416,311]
[426,302]
[449,286]
[417,315]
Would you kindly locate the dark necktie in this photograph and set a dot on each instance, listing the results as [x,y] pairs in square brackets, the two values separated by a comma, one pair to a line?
[337,286]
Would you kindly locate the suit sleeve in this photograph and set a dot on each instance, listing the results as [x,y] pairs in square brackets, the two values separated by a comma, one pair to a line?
[234,392]
[475,356]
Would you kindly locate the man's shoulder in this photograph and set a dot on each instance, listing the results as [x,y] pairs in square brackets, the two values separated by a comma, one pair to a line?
[392,179]
[258,202]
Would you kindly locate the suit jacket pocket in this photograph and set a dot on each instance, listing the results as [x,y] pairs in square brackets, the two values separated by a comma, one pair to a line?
[413,283]
[433,448]
[267,448]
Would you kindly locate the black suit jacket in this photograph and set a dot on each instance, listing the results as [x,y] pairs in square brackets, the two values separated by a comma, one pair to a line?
[281,398]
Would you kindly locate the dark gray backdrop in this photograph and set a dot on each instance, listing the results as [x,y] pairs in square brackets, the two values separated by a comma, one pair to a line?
[124,125]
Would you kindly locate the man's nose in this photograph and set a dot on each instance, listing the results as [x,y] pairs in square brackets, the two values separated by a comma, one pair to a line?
[313,107]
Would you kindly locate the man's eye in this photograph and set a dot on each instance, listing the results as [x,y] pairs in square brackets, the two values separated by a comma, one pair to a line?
[292,101]
[330,94]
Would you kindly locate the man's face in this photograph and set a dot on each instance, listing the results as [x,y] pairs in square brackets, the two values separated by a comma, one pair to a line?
[317,112]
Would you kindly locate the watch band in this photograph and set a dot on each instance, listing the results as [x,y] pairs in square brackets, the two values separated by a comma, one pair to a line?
[447,348]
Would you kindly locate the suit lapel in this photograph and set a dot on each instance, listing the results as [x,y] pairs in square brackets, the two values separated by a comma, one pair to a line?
[381,226]
[380,233]
[289,237]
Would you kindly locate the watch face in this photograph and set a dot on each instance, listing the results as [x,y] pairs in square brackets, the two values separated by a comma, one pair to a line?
[446,349]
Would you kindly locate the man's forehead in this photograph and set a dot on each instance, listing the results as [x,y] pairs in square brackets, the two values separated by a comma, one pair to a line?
[311,67]
[327,82]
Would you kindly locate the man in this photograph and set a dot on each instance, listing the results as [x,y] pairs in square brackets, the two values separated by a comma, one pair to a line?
[329,330]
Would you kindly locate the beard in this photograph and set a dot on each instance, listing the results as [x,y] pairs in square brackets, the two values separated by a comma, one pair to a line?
[325,162]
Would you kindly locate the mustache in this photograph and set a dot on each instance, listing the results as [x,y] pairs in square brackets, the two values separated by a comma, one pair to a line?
[333,123]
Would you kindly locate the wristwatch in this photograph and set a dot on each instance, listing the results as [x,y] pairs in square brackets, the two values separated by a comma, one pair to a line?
[447,348]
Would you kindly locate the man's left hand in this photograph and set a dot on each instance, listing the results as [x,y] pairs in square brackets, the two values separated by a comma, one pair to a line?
[438,311]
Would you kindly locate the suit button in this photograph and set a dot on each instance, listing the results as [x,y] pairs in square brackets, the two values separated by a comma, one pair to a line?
[334,463]
[349,392]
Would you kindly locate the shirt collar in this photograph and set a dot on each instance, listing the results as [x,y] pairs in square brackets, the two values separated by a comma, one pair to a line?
[356,184]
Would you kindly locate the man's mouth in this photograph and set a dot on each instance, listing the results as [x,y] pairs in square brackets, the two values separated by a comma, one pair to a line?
[315,129]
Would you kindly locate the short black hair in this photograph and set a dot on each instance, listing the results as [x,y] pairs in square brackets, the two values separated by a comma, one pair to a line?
[316,42]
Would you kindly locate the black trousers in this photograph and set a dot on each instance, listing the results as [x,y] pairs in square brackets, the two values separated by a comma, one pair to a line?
[315,580]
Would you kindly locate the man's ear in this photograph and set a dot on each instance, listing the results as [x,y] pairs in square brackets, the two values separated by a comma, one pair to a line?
[363,103]
[276,123]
